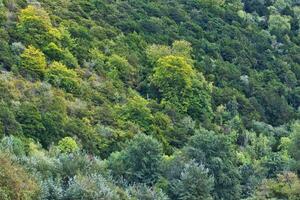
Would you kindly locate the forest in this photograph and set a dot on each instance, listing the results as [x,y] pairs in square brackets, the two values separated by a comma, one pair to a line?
[149,100]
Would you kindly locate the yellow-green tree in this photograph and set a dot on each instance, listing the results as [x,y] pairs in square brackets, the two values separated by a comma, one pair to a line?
[60,76]
[34,27]
[33,63]
[67,145]
[173,77]
[181,87]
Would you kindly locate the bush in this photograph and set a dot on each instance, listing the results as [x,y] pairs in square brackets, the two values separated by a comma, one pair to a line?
[13,145]
[15,183]
[91,187]
[60,76]
[139,162]
[33,63]
[143,192]
[67,145]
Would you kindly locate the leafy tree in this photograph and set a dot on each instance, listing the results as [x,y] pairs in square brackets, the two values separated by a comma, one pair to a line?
[146,193]
[13,145]
[294,145]
[31,121]
[6,57]
[199,100]
[33,63]
[34,27]
[67,145]
[139,162]
[179,84]
[54,52]
[91,187]
[54,127]
[275,163]
[279,25]
[181,48]
[8,123]
[173,77]
[104,71]
[214,151]
[87,136]
[60,76]
[136,110]
[285,186]
[124,70]
[194,183]
[155,52]
[14,182]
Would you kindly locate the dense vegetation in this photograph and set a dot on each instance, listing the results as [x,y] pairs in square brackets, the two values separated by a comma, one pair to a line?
[149,100]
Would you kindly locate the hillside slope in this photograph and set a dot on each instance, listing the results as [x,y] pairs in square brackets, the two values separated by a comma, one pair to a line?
[108,99]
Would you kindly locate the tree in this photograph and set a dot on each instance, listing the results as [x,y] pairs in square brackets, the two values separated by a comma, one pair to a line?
[173,77]
[137,111]
[294,147]
[67,145]
[8,123]
[155,52]
[284,186]
[60,76]
[182,48]
[124,70]
[178,84]
[143,192]
[199,100]
[93,186]
[179,48]
[15,183]
[31,121]
[194,183]
[279,25]
[6,57]
[139,162]
[34,27]
[33,63]
[215,152]
[55,52]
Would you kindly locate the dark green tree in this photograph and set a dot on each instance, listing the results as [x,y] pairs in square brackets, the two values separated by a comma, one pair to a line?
[216,153]
[139,162]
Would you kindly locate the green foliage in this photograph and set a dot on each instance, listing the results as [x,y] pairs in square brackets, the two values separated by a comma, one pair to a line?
[194,183]
[179,85]
[8,123]
[173,76]
[140,192]
[33,63]
[60,76]
[285,186]
[31,121]
[294,145]
[34,26]
[56,53]
[91,187]
[279,25]
[124,70]
[215,152]
[105,72]
[14,182]
[139,162]
[13,145]
[67,145]
[137,111]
